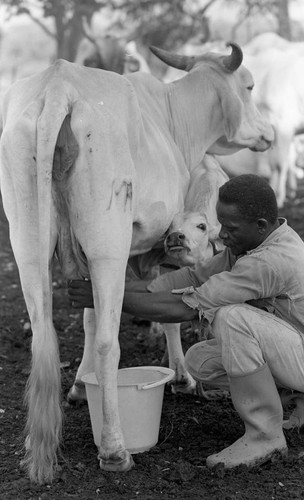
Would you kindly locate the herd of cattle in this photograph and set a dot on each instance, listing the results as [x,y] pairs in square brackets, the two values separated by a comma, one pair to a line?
[97,167]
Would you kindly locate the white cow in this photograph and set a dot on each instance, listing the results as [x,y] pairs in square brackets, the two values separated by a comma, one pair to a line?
[271,40]
[267,40]
[94,166]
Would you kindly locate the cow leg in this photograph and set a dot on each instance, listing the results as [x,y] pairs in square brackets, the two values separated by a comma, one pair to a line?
[281,160]
[156,336]
[77,393]
[33,252]
[108,303]
[44,419]
[292,181]
[107,261]
[183,381]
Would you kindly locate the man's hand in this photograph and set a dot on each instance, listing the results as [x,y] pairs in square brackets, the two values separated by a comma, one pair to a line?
[80,293]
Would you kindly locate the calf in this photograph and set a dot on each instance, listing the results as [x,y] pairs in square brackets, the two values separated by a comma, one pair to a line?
[191,238]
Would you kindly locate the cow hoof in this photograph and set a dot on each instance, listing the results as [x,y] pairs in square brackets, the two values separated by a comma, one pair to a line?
[187,387]
[212,394]
[296,419]
[77,394]
[122,462]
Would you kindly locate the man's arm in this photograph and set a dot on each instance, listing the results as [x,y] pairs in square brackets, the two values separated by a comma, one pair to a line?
[164,307]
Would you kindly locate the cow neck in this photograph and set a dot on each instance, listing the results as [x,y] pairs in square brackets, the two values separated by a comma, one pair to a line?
[193,125]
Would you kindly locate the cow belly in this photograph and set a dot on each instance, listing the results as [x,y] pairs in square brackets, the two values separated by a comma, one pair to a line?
[148,229]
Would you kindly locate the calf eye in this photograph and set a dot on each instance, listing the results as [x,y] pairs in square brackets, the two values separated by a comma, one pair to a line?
[202,226]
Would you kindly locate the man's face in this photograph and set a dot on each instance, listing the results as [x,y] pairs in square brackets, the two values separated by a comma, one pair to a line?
[236,232]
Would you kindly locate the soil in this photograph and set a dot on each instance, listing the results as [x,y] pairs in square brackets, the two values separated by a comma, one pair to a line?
[191,427]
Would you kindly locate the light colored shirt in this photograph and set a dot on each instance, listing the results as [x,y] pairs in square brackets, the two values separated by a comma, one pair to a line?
[274,272]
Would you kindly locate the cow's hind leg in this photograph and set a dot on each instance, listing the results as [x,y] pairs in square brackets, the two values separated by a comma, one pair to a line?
[101,212]
[33,251]
[44,420]
[108,288]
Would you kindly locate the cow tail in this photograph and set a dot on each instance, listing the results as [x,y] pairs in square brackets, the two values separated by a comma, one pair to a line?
[44,423]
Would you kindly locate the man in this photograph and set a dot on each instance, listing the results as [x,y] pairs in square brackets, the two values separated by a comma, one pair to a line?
[252,295]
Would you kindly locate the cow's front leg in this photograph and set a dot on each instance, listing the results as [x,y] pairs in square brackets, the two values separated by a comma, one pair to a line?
[77,393]
[183,381]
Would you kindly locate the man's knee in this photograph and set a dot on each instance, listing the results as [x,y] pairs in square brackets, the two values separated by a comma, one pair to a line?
[204,362]
[231,315]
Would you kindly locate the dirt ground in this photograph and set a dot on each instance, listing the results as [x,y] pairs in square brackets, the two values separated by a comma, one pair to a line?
[191,428]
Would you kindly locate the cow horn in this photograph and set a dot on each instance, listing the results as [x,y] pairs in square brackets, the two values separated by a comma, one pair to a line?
[175,60]
[234,60]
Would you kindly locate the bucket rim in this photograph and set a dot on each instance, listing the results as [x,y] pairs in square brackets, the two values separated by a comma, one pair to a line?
[168,372]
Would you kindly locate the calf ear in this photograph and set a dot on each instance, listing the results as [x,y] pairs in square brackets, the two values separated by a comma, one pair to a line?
[213,232]
[232,114]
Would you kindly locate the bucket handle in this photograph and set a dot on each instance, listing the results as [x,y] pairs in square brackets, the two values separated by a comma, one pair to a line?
[163,381]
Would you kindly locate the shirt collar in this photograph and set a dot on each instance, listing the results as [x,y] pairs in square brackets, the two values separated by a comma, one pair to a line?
[272,236]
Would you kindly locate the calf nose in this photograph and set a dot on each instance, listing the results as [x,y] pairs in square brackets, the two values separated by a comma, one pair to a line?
[175,239]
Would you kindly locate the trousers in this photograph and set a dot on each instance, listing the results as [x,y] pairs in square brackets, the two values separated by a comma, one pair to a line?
[243,339]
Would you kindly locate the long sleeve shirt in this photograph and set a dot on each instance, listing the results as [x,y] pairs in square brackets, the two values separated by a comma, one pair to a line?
[274,272]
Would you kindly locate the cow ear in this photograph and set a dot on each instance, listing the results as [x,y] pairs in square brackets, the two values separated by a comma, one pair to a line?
[232,113]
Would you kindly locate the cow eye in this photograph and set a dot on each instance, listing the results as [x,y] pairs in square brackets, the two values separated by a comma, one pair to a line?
[202,227]
[250,87]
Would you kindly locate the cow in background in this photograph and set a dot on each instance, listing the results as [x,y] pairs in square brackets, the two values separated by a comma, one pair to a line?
[102,52]
[270,40]
[112,54]
[134,61]
[94,166]
[264,41]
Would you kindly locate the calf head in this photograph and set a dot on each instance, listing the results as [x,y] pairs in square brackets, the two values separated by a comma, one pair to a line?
[190,239]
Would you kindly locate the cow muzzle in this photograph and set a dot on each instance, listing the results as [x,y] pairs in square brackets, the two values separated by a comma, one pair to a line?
[176,242]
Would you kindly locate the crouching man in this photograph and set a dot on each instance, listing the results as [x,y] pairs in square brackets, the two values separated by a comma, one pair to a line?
[252,295]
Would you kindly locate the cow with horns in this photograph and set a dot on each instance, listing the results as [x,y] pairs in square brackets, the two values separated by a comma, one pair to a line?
[94,166]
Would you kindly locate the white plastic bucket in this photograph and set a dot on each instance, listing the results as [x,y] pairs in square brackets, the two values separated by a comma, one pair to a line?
[140,400]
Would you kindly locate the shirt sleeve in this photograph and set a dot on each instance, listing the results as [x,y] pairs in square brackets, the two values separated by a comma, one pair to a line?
[250,278]
[188,276]
[180,278]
